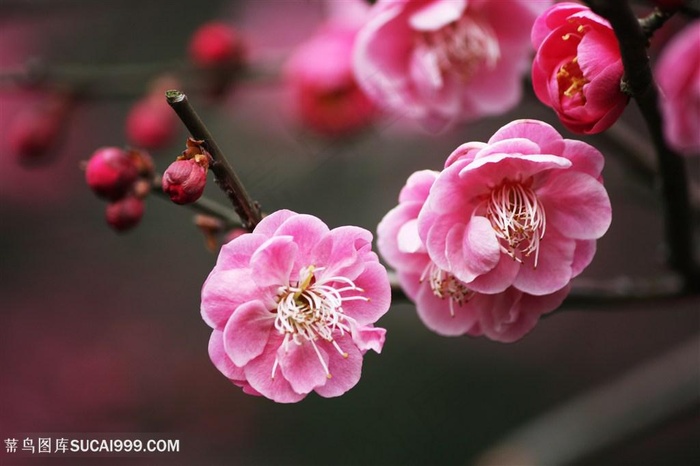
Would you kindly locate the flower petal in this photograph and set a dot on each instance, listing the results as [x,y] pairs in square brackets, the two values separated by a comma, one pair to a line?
[258,372]
[553,270]
[577,204]
[436,314]
[221,361]
[301,365]
[368,337]
[375,283]
[223,292]
[272,263]
[345,371]
[247,332]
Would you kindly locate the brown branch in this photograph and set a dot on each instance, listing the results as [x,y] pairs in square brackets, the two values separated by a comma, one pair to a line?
[226,178]
[674,185]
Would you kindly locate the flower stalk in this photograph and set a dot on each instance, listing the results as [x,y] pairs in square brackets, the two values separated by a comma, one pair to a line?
[673,183]
[247,209]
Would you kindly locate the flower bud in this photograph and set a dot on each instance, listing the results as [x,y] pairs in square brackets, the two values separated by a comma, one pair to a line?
[151,123]
[36,130]
[110,172]
[125,213]
[185,179]
[216,44]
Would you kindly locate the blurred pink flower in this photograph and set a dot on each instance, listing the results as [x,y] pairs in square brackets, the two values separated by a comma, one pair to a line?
[293,304]
[444,303]
[678,75]
[522,210]
[577,68]
[439,61]
[320,76]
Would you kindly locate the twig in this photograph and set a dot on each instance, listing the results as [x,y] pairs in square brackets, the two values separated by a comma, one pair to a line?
[674,185]
[226,178]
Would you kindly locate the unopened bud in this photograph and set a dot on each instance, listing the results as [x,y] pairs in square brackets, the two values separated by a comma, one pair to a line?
[184,180]
[110,172]
[37,130]
[216,44]
[151,123]
[124,214]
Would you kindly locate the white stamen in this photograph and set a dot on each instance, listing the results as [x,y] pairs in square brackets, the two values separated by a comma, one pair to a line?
[312,309]
[518,218]
[446,285]
[463,46]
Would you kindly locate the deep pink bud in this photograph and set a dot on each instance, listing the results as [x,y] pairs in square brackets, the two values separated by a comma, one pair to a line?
[110,172]
[185,179]
[36,130]
[151,123]
[124,214]
[216,44]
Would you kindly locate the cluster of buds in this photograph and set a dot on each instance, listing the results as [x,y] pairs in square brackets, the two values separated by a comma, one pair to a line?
[185,179]
[123,178]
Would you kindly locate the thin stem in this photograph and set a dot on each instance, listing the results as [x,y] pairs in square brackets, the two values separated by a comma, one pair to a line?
[654,21]
[226,178]
[674,185]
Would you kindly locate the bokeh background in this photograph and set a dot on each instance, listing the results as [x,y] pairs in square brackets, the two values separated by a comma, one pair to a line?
[101,332]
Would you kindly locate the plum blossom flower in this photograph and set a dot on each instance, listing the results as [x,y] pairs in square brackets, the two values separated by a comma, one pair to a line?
[523,210]
[678,76]
[320,76]
[578,68]
[445,304]
[440,61]
[293,304]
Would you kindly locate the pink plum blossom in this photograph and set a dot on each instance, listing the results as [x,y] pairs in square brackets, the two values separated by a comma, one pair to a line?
[578,68]
[444,303]
[319,74]
[678,75]
[293,304]
[522,210]
[440,61]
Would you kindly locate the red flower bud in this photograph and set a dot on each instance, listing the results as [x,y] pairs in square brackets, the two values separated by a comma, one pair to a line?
[184,180]
[151,123]
[37,129]
[110,172]
[124,214]
[216,44]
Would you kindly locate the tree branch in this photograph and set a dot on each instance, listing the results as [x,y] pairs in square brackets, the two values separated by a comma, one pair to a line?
[247,209]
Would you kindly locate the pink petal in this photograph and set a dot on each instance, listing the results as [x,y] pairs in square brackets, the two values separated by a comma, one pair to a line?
[247,332]
[223,292]
[418,186]
[480,251]
[343,252]
[583,255]
[387,237]
[302,366]
[435,312]
[576,204]
[269,224]
[273,261]
[584,157]
[221,361]
[511,147]
[436,14]
[306,231]
[552,18]
[487,172]
[466,152]
[367,337]
[258,372]
[236,253]
[345,371]
[375,283]
[539,132]
[408,239]
[553,270]
[499,278]
[503,320]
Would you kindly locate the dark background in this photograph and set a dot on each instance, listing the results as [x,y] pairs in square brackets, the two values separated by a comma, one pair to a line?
[101,332]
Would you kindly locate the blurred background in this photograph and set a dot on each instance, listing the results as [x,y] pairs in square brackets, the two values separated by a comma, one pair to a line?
[101,331]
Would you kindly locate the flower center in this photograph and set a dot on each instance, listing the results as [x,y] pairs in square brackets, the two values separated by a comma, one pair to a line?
[463,46]
[446,285]
[311,309]
[518,219]
[571,79]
